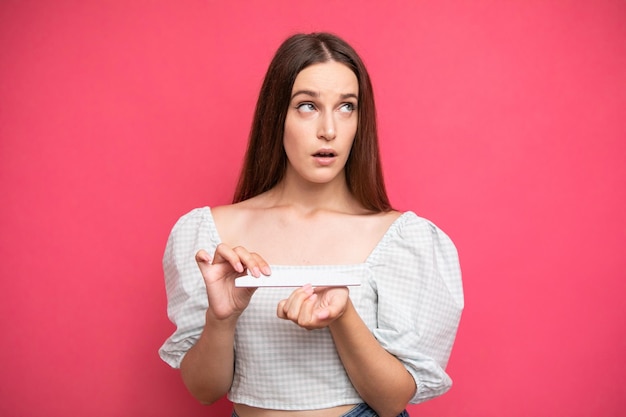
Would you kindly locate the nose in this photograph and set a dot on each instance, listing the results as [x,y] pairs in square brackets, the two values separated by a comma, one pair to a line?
[326,129]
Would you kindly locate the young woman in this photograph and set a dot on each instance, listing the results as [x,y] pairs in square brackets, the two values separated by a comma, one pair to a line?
[311,201]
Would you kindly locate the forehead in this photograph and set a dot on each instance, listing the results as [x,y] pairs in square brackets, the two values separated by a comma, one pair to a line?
[327,77]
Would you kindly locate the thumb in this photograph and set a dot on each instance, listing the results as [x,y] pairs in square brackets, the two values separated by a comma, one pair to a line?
[322,314]
[203,259]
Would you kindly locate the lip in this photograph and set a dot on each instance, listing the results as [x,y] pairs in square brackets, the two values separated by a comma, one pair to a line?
[325,151]
[325,156]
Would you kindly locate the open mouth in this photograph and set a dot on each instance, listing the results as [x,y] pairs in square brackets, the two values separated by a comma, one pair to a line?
[324,155]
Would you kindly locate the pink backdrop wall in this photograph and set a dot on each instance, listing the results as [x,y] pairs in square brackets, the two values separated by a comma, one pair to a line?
[503,122]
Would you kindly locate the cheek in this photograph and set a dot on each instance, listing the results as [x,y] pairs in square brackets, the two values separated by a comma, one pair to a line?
[295,133]
[350,132]
[290,139]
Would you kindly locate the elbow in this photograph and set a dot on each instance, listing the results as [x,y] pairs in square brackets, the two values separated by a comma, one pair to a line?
[392,410]
[397,403]
[203,389]
[391,407]
[206,394]
[206,399]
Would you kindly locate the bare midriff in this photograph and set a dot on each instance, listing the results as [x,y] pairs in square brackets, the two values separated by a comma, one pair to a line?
[247,411]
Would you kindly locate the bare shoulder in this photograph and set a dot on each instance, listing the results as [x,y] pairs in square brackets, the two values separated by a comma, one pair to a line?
[232,219]
[390,216]
[381,221]
[258,209]
[290,235]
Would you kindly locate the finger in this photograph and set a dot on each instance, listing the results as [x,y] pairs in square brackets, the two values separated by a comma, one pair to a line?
[307,318]
[203,256]
[335,305]
[252,261]
[257,265]
[262,264]
[297,297]
[323,314]
[280,309]
[226,254]
[203,259]
[294,302]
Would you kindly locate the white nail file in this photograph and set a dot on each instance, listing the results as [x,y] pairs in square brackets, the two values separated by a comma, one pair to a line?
[300,277]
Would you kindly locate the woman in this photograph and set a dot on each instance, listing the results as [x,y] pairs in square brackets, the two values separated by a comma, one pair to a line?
[311,201]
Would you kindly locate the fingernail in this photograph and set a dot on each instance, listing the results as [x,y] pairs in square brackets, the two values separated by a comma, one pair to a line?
[239,267]
[256,271]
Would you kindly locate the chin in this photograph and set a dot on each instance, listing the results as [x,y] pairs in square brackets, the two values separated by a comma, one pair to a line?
[324,180]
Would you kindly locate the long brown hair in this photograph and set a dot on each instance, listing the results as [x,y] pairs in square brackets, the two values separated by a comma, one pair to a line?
[266,161]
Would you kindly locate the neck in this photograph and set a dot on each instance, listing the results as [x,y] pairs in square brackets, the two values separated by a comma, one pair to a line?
[309,197]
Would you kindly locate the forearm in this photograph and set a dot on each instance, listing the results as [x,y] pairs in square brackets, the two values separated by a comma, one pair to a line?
[379,377]
[207,368]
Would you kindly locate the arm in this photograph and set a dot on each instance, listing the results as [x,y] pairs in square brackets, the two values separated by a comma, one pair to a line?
[207,367]
[417,314]
[379,377]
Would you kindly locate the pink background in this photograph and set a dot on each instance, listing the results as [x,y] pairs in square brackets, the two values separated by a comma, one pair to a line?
[503,122]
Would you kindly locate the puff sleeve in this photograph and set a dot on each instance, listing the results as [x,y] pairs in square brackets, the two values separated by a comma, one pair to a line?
[420,299]
[187,300]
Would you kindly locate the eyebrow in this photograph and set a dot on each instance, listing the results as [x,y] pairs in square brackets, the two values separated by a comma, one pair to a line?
[317,94]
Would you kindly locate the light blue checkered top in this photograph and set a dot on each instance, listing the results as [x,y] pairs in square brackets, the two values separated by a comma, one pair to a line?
[411,299]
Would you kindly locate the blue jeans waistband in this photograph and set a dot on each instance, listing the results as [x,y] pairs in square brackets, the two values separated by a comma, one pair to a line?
[359,410]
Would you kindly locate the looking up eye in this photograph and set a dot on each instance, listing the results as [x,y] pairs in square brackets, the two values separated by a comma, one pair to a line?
[305,107]
[347,107]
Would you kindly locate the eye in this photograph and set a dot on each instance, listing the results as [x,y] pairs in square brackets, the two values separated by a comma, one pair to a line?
[305,107]
[347,107]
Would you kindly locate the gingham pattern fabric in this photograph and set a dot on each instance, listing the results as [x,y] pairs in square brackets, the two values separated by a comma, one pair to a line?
[411,299]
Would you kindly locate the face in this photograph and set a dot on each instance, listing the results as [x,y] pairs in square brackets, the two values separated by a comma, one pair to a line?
[321,122]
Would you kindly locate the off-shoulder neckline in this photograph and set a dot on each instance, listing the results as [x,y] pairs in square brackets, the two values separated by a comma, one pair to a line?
[384,241]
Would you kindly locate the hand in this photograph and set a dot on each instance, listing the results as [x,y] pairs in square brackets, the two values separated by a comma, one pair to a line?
[226,300]
[314,308]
